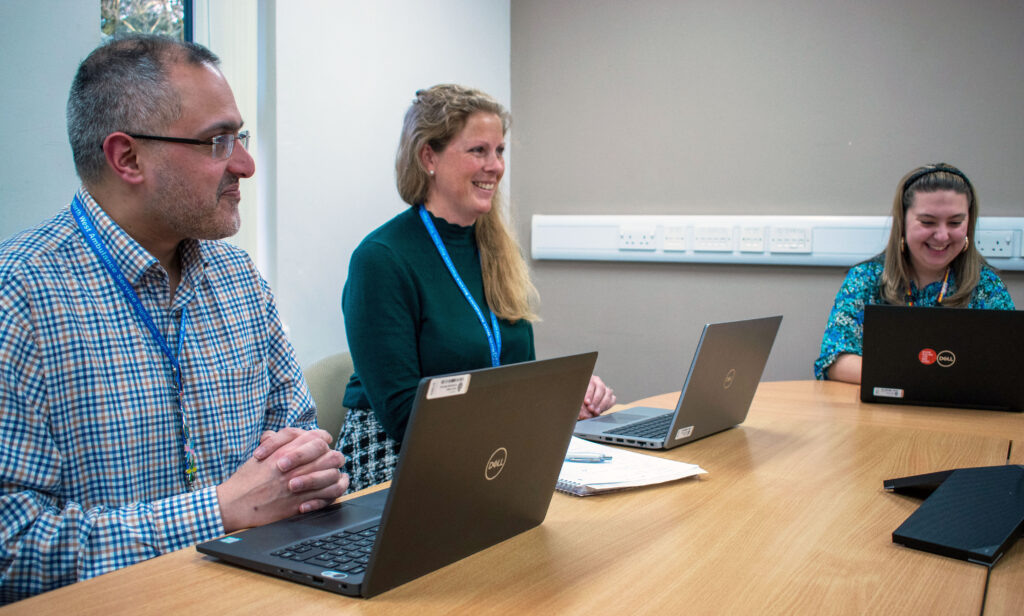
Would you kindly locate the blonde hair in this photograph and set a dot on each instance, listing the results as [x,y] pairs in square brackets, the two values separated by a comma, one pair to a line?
[436,116]
[966,266]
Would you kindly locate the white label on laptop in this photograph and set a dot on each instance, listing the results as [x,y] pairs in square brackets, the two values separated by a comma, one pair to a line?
[887,392]
[684,432]
[448,386]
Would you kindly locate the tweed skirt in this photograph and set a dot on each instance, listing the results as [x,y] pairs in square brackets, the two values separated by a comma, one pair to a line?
[370,454]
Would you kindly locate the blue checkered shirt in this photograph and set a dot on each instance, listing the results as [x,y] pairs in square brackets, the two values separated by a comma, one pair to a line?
[90,433]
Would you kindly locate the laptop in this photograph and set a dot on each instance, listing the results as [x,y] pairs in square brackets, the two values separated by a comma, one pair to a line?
[973,514]
[716,395]
[478,465]
[943,357]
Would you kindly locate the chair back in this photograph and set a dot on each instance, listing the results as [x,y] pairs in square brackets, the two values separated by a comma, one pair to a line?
[327,379]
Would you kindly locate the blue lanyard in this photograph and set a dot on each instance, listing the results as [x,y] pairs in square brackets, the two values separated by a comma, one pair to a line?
[93,239]
[493,333]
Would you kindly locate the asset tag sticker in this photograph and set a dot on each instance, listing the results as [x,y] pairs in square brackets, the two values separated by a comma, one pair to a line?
[888,392]
[445,386]
[684,432]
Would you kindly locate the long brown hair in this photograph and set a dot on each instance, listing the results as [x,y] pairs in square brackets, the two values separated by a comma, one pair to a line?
[966,266]
[436,116]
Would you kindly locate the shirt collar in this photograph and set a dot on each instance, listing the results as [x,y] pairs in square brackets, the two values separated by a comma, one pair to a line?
[193,267]
[133,260]
[932,289]
[452,234]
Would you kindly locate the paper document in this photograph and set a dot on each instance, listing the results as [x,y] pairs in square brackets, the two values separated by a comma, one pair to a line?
[625,469]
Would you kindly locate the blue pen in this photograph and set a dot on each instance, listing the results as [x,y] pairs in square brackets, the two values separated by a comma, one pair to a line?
[587,456]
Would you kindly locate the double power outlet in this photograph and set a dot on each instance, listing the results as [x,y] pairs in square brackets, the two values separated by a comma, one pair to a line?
[638,237]
[995,242]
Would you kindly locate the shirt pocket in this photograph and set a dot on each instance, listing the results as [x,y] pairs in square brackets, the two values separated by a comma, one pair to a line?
[240,411]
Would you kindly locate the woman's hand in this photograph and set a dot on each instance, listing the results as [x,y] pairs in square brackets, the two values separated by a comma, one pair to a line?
[599,398]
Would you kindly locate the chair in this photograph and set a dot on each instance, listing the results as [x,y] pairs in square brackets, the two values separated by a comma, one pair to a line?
[327,379]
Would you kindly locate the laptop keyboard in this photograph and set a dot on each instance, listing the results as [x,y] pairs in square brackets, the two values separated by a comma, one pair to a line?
[346,551]
[655,427]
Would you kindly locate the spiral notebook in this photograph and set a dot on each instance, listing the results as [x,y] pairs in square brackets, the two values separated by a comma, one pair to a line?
[624,469]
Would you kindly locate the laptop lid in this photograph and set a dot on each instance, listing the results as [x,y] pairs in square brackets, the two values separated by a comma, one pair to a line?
[716,394]
[974,514]
[478,465]
[955,357]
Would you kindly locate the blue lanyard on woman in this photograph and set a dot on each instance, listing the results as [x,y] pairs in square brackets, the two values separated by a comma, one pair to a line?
[493,333]
[93,239]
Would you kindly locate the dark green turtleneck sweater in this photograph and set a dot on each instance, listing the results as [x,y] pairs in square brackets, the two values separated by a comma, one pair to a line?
[406,318]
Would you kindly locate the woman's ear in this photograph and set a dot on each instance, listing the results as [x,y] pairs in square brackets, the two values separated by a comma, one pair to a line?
[428,158]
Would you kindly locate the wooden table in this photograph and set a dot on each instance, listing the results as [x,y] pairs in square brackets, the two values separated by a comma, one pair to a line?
[791,518]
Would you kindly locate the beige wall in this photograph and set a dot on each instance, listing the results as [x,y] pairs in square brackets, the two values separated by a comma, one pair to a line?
[730,107]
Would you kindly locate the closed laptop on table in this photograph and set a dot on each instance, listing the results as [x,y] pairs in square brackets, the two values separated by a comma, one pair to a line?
[972,514]
[943,357]
[478,465]
[716,395]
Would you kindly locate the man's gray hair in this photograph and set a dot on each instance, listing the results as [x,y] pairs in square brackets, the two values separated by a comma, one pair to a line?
[123,85]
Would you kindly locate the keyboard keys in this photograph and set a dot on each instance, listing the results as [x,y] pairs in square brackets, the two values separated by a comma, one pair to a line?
[655,427]
[343,551]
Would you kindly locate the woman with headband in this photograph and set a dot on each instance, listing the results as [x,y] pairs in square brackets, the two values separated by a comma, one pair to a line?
[929,260]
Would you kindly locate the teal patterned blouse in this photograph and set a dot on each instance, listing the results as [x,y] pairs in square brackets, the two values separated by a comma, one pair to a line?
[845,328]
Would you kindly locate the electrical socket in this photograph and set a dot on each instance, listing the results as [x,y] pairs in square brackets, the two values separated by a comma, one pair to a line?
[790,239]
[994,243]
[674,238]
[752,239]
[712,239]
[637,237]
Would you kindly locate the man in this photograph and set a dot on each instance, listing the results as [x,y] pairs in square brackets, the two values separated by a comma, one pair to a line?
[149,398]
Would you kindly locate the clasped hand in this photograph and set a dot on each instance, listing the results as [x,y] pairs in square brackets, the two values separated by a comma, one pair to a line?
[291,471]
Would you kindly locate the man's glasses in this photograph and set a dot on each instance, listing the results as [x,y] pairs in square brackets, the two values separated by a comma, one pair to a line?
[222,145]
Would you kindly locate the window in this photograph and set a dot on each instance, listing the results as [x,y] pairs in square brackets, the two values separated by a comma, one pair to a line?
[168,17]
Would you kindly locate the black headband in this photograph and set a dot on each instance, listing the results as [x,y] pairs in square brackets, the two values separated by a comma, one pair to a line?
[936,168]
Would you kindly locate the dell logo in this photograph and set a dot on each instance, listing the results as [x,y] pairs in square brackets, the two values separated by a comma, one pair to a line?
[495,463]
[946,359]
[730,377]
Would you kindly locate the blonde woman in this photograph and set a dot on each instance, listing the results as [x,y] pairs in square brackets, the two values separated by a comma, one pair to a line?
[441,287]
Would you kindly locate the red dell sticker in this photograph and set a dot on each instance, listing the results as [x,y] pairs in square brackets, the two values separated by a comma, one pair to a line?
[927,356]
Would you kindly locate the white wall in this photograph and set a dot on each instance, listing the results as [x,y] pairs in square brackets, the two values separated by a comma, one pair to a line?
[41,45]
[230,28]
[345,74]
